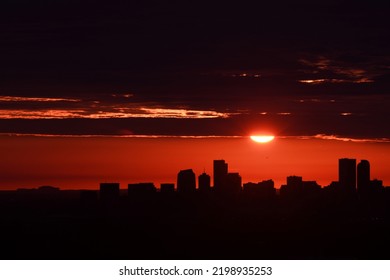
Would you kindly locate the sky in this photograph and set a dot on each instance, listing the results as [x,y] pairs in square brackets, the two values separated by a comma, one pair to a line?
[191,68]
[84,162]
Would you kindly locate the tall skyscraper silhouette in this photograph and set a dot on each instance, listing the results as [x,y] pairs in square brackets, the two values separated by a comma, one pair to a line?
[186,181]
[363,176]
[204,182]
[347,174]
[220,173]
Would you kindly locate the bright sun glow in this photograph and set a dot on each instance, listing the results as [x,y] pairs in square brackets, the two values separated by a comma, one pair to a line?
[262,138]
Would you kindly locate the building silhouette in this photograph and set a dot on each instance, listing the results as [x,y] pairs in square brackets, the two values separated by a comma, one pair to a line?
[294,186]
[363,176]
[141,189]
[376,185]
[109,191]
[167,188]
[186,181]
[310,186]
[48,189]
[297,187]
[88,197]
[347,174]
[295,182]
[233,183]
[204,182]
[225,181]
[220,173]
[263,189]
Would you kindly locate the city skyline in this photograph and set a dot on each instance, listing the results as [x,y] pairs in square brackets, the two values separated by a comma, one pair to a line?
[195,130]
[83,162]
[352,177]
[107,91]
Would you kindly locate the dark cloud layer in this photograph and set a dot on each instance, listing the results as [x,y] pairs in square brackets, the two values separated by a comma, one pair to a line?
[245,65]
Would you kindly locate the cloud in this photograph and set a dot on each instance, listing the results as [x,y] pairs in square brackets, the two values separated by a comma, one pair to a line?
[336,71]
[111,113]
[7,98]
[347,139]
[99,107]
[129,135]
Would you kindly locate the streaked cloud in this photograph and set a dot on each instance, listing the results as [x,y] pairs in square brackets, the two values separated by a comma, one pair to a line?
[333,81]
[245,75]
[333,71]
[346,139]
[300,137]
[125,95]
[236,74]
[40,114]
[183,113]
[111,112]
[125,136]
[6,98]
[116,105]
[316,100]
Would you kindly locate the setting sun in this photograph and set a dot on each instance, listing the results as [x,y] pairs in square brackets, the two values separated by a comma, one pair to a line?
[262,138]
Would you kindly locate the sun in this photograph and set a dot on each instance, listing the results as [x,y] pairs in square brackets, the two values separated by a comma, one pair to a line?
[262,138]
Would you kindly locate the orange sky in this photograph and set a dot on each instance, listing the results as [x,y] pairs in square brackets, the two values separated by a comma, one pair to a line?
[83,162]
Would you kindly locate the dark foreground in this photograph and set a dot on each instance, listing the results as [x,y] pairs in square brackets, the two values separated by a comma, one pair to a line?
[77,225]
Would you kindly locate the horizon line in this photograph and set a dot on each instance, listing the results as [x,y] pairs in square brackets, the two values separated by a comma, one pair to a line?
[299,137]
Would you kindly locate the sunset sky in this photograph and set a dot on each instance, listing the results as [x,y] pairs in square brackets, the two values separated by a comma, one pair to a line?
[76,75]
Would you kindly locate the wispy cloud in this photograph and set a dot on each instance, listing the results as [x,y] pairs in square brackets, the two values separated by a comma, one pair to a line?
[332,81]
[317,100]
[111,112]
[7,98]
[41,114]
[332,71]
[118,105]
[183,113]
[337,138]
[125,136]
[303,137]
[347,139]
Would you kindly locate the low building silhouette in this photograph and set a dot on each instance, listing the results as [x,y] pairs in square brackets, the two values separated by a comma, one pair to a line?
[109,191]
[186,182]
[48,189]
[88,197]
[296,186]
[263,189]
[204,182]
[140,189]
[233,183]
[310,185]
[295,182]
[167,188]
[376,185]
